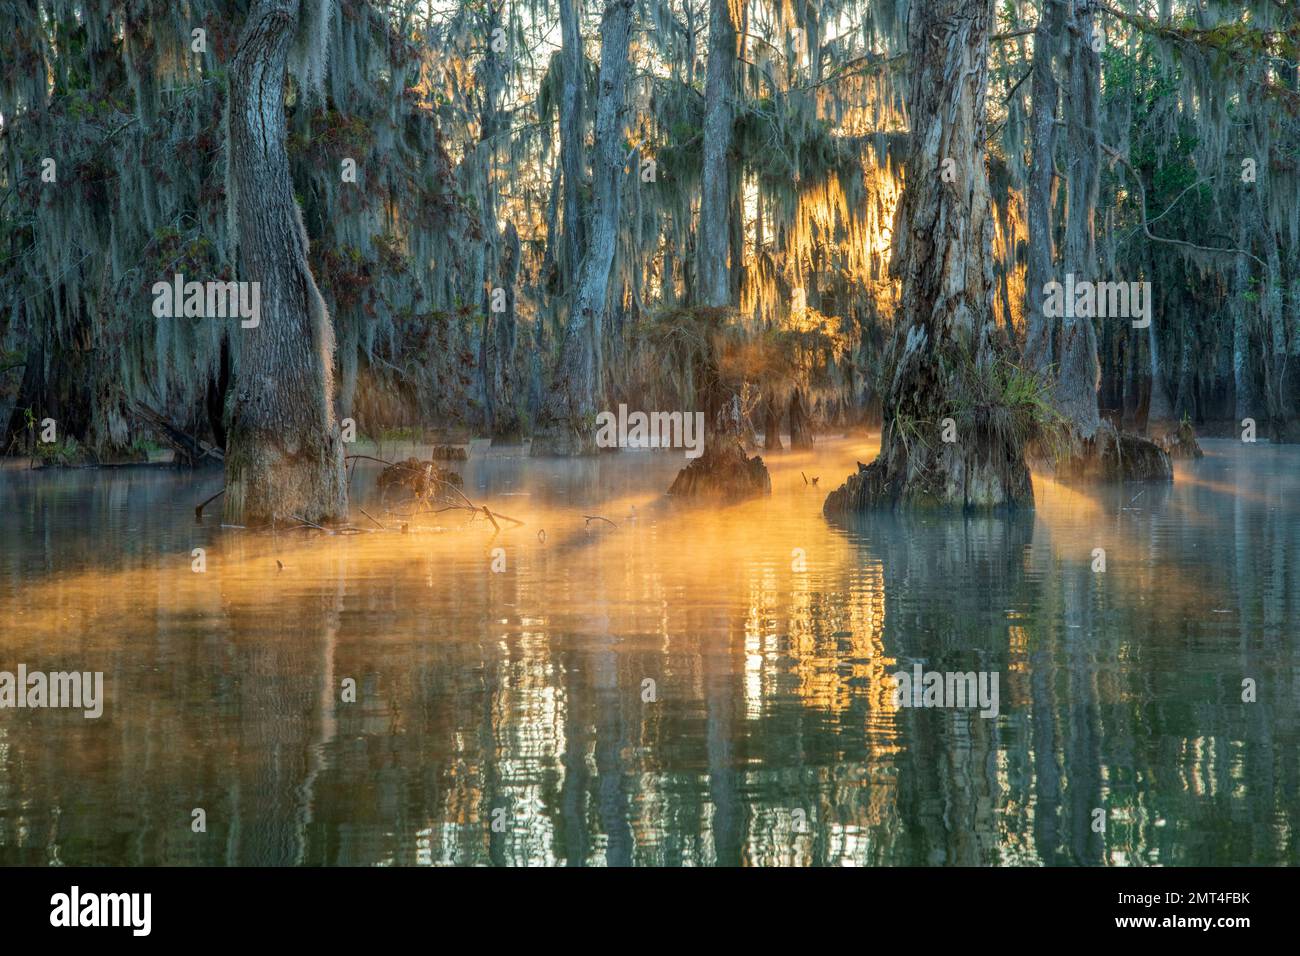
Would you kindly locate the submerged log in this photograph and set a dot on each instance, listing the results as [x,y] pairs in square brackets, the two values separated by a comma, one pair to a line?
[724,472]
[189,448]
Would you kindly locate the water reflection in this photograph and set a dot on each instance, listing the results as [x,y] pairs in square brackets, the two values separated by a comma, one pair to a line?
[521,697]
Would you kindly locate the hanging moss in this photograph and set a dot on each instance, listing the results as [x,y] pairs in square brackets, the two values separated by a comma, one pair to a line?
[135,123]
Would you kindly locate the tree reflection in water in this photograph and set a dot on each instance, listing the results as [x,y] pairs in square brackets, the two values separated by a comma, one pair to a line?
[772,738]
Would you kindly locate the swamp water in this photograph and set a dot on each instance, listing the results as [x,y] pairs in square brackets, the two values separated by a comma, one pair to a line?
[691,686]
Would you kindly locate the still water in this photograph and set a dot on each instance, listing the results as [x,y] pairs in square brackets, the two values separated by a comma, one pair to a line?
[682,686]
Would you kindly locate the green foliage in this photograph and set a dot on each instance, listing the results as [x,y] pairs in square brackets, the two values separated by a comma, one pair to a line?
[64,453]
[1007,402]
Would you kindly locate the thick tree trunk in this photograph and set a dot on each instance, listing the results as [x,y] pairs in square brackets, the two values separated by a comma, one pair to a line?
[1281,406]
[571,139]
[570,411]
[13,353]
[1078,372]
[1071,359]
[801,433]
[284,456]
[771,424]
[1164,428]
[1160,411]
[500,331]
[714,239]
[1246,397]
[724,471]
[501,260]
[948,348]
[1039,351]
[1130,398]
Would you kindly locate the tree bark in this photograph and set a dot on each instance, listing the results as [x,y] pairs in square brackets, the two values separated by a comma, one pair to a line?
[947,347]
[1039,351]
[1281,407]
[714,241]
[569,415]
[801,434]
[1130,396]
[571,138]
[1160,411]
[1070,361]
[500,333]
[1078,372]
[771,424]
[501,254]
[284,454]
[1246,392]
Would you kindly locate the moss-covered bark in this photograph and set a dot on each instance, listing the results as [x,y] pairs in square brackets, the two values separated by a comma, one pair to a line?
[568,425]
[947,340]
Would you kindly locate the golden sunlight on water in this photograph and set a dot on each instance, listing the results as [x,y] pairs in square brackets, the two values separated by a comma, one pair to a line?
[672,685]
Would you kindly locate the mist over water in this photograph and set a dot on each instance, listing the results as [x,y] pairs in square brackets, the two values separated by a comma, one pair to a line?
[768,632]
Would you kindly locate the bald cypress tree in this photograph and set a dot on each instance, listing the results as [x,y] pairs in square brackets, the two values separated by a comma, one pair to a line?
[715,199]
[568,425]
[948,359]
[284,455]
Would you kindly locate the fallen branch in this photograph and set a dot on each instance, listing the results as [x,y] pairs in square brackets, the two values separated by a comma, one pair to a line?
[198,509]
[1146,223]
[184,443]
[466,505]
[311,523]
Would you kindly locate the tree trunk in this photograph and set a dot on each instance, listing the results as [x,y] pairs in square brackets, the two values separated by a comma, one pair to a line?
[569,415]
[14,339]
[1131,398]
[715,198]
[500,331]
[496,347]
[1246,392]
[801,433]
[948,352]
[771,424]
[1160,411]
[1078,372]
[1185,398]
[571,139]
[1070,360]
[1039,346]
[284,455]
[724,471]
[1281,407]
